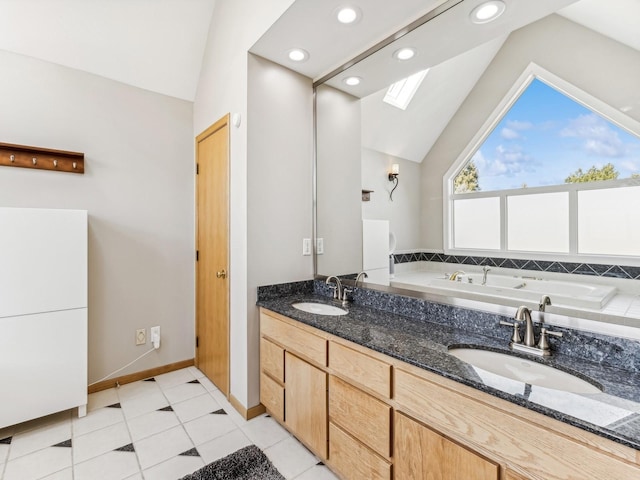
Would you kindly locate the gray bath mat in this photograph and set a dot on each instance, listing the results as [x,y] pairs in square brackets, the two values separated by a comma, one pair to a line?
[248,463]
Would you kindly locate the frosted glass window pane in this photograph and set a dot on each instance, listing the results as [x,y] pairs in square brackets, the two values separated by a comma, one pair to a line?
[538,223]
[477,223]
[609,221]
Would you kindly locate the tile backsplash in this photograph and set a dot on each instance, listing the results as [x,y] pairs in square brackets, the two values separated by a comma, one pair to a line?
[598,270]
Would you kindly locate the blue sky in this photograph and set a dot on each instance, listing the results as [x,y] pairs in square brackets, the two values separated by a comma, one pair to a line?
[545,137]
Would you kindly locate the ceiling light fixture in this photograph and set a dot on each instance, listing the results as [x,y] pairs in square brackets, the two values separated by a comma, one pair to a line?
[352,81]
[298,55]
[406,53]
[487,11]
[348,15]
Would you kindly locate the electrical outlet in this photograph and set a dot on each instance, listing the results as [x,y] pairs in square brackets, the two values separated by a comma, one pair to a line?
[320,246]
[155,336]
[141,336]
[306,246]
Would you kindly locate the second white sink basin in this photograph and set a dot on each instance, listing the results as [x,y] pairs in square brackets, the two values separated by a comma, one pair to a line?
[319,308]
[523,370]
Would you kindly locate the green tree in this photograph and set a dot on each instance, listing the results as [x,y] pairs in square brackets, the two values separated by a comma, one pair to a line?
[594,174]
[467,180]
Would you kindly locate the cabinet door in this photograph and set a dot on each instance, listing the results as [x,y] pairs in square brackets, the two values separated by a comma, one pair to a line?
[421,453]
[306,403]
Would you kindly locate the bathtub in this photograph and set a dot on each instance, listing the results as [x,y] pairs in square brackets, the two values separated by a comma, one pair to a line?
[567,293]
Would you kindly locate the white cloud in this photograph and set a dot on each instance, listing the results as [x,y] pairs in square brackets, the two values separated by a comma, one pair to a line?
[519,125]
[599,138]
[509,134]
[506,161]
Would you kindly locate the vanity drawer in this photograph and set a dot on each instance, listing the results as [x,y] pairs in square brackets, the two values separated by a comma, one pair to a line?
[272,359]
[272,396]
[352,460]
[364,417]
[362,369]
[304,344]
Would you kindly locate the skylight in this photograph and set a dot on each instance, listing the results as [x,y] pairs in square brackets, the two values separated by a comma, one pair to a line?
[400,93]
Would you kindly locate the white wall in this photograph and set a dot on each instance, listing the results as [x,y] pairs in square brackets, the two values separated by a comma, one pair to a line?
[339,181]
[404,210]
[137,187]
[596,64]
[279,159]
[222,88]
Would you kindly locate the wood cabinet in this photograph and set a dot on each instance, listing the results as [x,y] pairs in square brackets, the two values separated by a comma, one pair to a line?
[292,389]
[306,403]
[421,453]
[383,418]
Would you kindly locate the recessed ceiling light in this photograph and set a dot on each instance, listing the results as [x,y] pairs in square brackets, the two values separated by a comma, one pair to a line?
[404,53]
[348,15]
[298,55]
[352,81]
[487,11]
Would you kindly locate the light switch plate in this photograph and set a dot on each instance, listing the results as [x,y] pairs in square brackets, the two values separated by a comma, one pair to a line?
[320,246]
[306,246]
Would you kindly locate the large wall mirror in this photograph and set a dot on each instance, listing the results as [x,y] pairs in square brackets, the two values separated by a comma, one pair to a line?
[413,140]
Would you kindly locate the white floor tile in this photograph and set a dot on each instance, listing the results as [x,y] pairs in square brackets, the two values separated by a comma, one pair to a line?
[183,392]
[66,474]
[137,476]
[141,404]
[158,448]
[33,440]
[151,423]
[318,472]
[208,384]
[136,389]
[4,453]
[174,468]
[208,427]
[232,412]
[195,372]
[291,458]
[264,431]
[172,379]
[96,420]
[102,399]
[99,442]
[223,446]
[195,407]
[111,465]
[54,419]
[38,464]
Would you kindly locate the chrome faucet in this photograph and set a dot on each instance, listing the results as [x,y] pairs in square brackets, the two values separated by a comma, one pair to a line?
[360,275]
[528,344]
[485,270]
[337,289]
[544,301]
[456,274]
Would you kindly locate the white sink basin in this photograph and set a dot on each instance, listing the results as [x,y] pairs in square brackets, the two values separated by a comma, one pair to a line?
[523,370]
[319,308]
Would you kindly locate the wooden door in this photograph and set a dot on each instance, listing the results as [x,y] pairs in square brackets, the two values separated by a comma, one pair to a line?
[212,289]
[306,403]
[420,453]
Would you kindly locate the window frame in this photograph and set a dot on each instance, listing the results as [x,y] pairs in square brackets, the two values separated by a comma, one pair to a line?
[534,71]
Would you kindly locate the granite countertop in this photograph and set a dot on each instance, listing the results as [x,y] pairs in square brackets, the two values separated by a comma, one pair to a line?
[613,414]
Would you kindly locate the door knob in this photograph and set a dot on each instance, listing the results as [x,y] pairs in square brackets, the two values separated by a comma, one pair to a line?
[221,274]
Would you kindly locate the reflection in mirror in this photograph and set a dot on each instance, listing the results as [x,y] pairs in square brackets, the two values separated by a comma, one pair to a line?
[591,262]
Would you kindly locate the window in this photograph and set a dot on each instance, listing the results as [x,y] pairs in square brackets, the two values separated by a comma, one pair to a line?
[550,175]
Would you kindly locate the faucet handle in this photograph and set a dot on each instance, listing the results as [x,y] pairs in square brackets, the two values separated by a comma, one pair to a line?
[543,343]
[515,337]
[335,290]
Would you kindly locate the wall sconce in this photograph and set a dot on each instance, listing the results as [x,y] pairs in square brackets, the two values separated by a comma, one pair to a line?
[393,177]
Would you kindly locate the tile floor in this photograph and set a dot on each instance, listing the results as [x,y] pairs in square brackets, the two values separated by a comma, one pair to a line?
[160,428]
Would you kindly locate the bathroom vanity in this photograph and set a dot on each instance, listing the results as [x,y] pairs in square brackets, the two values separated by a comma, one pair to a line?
[375,395]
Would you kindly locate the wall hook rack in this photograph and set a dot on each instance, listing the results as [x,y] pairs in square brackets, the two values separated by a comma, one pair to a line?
[41,158]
